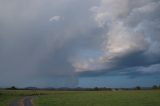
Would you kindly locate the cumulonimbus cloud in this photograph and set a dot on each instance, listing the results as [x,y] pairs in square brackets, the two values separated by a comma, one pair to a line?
[131,28]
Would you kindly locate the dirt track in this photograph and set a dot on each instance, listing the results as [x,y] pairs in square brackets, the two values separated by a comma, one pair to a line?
[25,101]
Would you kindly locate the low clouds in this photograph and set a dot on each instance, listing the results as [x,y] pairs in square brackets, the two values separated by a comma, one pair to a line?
[150,69]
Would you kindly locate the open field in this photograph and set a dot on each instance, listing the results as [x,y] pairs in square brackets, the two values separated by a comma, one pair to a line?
[85,98]
[101,98]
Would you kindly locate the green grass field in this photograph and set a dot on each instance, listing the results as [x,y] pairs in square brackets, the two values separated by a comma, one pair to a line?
[7,96]
[6,99]
[85,98]
[100,98]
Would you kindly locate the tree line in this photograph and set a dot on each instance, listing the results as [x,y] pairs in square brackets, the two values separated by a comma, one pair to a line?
[154,87]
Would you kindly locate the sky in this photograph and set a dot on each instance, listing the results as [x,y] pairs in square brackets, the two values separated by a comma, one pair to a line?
[79,43]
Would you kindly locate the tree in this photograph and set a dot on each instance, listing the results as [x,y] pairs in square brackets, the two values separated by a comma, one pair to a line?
[96,88]
[154,87]
[138,88]
[12,88]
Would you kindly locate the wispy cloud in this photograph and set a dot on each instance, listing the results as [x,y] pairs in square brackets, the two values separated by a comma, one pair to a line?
[56,19]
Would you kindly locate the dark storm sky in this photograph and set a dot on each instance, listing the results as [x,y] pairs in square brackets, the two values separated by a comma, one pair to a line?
[70,43]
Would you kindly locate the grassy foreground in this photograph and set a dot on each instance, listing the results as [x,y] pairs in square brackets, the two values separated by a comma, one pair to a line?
[100,98]
[84,98]
[6,99]
[7,96]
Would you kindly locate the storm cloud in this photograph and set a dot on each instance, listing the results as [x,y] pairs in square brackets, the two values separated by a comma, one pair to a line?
[54,43]
[132,34]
